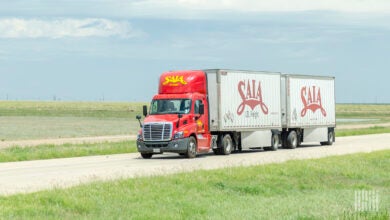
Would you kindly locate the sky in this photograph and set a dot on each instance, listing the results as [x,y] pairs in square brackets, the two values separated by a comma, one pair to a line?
[115,50]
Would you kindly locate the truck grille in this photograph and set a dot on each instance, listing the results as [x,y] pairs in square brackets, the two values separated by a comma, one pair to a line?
[157,131]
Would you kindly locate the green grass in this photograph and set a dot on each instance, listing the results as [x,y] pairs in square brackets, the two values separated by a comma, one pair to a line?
[381,112]
[41,120]
[73,109]
[63,151]
[23,120]
[35,127]
[363,131]
[307,189]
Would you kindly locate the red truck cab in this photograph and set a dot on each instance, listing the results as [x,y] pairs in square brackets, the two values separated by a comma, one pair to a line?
[177,120]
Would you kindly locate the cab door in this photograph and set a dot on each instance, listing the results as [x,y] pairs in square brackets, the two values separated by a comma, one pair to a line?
[201,121]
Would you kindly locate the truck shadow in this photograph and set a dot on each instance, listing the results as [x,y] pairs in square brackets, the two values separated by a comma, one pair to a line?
[170,156]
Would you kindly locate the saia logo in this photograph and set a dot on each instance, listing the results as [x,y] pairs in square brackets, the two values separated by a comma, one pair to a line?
[251,95]
[174,80]
[311,99]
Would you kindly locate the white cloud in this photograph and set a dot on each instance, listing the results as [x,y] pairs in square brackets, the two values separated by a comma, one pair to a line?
[268,5]
[186,9]
[64,27]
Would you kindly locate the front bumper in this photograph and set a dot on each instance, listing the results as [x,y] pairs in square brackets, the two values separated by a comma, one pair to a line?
[156,147]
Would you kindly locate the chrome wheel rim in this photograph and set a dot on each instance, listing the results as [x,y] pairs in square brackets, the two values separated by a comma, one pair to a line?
[294,141]
[228,146]
[192,148]
[276,141]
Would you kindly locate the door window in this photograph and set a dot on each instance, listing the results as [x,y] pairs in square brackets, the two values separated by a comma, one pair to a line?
[196,107]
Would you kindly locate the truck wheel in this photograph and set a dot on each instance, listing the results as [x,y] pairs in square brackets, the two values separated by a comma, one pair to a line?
[330,139]
[191,148]
[227,145]
[274,142]
[292,140]
[146,155]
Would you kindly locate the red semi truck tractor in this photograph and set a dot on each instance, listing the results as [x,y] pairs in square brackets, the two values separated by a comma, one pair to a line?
[197,111]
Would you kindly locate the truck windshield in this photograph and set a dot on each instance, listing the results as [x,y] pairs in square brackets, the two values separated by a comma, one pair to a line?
[170,106]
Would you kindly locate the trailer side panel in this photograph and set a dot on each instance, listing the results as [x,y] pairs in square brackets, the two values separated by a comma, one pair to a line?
[310,101]
[249,100]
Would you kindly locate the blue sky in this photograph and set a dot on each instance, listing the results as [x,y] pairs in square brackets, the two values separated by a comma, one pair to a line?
[115,49]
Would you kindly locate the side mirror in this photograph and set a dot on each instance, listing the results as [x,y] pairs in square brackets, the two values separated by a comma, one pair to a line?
[145,110]
[201,109]
[179,116]
[138,117]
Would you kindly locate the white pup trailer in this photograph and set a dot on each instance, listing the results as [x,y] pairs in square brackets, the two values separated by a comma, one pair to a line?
[267,109]
[308,110]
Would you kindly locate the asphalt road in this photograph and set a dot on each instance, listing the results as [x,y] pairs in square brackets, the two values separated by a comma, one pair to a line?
[31,176]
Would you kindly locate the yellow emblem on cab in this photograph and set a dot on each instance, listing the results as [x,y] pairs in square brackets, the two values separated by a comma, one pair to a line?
[174,80]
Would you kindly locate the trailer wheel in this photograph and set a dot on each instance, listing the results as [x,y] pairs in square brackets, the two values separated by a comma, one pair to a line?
[227,145]
[292,140]
[275,142]
[191,148]
[146,155]
[330,139]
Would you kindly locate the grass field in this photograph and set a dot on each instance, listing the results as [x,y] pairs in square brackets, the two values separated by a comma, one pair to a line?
[64,151]
[365,114]
[362,131]
[41,120]
[309,189]
[381,113]
[38,127]
[71,109]
[23,120]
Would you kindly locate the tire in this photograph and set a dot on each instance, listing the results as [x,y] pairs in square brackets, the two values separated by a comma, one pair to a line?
[330,139]
[146,155]
[292,140]
[191,148]
[227,146]
[275,141]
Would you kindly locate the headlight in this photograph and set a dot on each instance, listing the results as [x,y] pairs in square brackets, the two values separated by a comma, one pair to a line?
[178,135]
[139,137]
